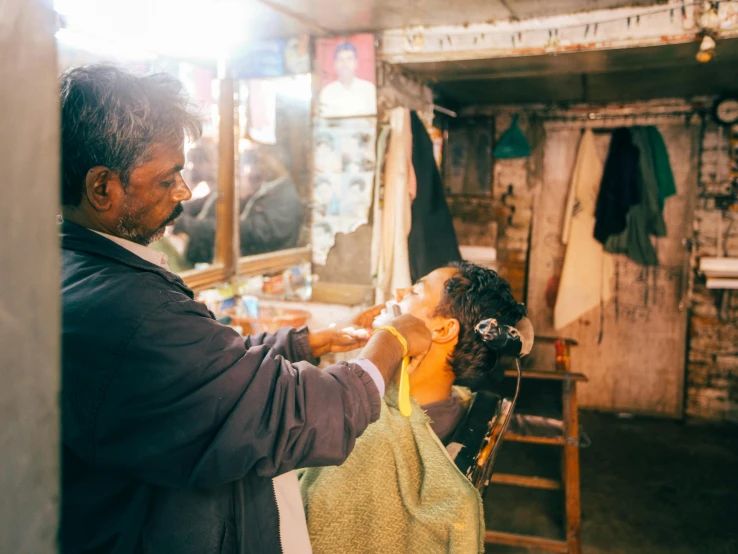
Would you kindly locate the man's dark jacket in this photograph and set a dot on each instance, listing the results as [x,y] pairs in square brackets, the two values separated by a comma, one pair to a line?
[173,425]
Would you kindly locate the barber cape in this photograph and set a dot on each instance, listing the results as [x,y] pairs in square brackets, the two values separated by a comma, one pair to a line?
[398,491]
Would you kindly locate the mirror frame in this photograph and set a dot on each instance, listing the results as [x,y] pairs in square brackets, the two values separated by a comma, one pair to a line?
[228,265]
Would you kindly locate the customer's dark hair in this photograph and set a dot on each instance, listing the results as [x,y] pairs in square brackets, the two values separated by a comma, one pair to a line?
[111,117]
[473,294]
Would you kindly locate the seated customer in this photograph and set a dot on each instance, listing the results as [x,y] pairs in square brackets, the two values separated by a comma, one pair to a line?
[270,211]
[399,491]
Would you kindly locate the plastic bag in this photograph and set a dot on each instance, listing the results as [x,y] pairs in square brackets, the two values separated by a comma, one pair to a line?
[513,143]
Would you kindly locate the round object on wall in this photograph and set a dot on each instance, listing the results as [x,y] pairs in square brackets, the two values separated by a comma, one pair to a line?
[725,110]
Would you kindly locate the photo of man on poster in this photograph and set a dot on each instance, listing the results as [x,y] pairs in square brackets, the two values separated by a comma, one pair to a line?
[350,90]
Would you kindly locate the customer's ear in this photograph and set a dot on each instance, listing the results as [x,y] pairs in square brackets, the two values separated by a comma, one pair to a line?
[445,330]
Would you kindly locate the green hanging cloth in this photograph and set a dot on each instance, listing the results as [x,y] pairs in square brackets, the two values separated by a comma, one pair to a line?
[513,143]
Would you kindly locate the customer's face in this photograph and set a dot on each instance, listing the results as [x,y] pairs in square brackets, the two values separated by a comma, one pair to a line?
[152,199]
[423,298]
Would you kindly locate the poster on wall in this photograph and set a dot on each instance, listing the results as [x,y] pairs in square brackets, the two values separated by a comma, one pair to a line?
[343,183]
[261,59]
[347,72]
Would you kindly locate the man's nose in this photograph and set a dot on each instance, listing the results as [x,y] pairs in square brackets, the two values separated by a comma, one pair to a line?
[182,193]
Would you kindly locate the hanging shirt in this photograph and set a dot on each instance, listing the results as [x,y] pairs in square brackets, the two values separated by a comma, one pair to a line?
[391,244]
[655,182]
[619,188]
[586,276]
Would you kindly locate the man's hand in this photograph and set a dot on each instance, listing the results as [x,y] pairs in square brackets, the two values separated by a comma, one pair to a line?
[415,332]
[364,319]
[345,336]
[386,352]
[337,340]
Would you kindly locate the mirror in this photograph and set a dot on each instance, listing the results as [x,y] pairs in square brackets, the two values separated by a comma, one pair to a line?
[274,160]
[190,243]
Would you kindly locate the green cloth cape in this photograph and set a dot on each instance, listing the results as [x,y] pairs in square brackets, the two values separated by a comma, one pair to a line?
[398,492]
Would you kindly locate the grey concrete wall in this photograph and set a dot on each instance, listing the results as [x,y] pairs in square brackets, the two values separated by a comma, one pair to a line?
[29,281]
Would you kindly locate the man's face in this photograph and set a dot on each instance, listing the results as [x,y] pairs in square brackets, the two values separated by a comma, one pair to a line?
[422,299]
[345,65]
[153,197]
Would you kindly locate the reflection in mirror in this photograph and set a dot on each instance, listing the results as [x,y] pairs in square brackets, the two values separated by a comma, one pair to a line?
[190,243]
[274,163]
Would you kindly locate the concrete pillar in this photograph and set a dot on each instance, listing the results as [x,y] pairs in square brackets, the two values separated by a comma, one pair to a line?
[29,279]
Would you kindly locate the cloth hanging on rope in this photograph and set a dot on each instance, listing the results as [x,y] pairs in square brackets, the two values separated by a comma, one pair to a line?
[655,182]
[512,143]
[619,189]
[587,273]
[432,241]
[391,240]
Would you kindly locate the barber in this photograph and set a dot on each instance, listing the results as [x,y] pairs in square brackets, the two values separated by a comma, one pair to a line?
[179,436]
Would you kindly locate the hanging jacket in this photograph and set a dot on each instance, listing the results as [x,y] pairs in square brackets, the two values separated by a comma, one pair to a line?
[432,241]
[655,183]
[619,188]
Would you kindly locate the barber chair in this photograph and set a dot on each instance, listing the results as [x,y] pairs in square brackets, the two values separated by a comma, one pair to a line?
[487,424]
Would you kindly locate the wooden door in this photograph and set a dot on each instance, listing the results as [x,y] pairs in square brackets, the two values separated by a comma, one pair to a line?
[639,366]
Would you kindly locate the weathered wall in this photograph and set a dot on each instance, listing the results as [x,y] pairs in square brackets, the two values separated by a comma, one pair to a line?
[712,365]
[29,280]
[503,220]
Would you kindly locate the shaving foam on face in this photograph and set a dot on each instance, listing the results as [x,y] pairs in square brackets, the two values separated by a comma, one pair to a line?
[387,314]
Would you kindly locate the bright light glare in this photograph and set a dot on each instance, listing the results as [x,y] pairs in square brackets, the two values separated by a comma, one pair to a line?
[196,29]
[116,50]
[200,191]
[298,87]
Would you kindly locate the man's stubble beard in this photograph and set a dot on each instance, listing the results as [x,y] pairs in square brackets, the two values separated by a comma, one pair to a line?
[129,229]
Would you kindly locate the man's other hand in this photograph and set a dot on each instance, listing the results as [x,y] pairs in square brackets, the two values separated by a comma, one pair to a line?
[337,340]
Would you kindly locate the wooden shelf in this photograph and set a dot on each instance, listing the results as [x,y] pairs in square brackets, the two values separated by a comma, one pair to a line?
[513,539]
[549,375]
[524,481]
[531,439]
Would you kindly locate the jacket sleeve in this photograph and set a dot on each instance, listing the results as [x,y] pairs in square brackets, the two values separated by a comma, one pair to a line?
[191,406]
[292,344]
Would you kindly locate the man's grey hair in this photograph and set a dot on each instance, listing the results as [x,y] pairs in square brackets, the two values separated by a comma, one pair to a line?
[112,118]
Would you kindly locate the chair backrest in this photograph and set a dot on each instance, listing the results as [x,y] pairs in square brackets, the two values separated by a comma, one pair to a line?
[475,442]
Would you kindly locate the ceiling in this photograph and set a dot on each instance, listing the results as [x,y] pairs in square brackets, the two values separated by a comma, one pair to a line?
[291,17]
[596,76]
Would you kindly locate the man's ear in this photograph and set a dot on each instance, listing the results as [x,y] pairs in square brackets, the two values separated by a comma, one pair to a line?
[445,330]
[103,188]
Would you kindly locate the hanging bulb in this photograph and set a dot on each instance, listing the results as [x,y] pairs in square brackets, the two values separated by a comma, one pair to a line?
[707,49]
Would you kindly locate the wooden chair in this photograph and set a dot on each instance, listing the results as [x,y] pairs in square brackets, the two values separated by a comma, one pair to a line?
[568,441]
